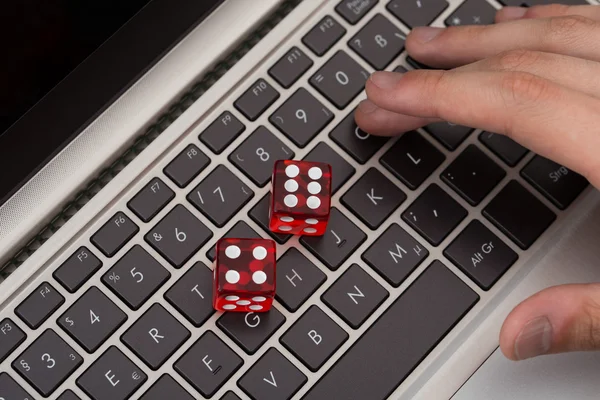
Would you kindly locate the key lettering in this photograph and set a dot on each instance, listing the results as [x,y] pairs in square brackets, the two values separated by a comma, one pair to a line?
[259,88]
[111,378]
[192,153]
[291,278]
[272,381]
[82,256]
[195,289]
[155,187]
[207,363]
[374,198]
[315,337]
[399,251]
[357,294]
[154,335]
[255,318]
[6,328]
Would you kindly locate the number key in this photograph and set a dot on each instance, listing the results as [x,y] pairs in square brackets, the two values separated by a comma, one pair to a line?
[378,42]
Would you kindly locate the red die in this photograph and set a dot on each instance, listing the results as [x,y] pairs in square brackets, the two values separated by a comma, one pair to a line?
[244,275]
[301,198]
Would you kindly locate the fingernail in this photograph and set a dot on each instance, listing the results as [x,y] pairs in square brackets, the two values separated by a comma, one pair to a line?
[513,12]
[534,339]
[425,34]
[385,80]
[367,106]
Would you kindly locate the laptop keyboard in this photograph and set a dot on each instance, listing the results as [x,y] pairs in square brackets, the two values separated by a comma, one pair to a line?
[121,311]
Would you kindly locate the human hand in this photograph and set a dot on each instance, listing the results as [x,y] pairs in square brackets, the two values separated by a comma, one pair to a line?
[535,77]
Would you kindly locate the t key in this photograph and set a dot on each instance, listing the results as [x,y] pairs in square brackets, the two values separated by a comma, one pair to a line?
[192,294]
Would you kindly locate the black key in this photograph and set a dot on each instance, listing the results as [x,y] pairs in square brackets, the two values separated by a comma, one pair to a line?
[297,279]
[178,236]
[416,64]
[397,342]
[434,214]
[256,155]
[290,67]
[77,269]
[114,234]
[360,145]
[400,69]
[480,254]
[222,132]
[395,255]
[504,147]
[208,364]
[355,296]
[301,117]
[47,362]
[378,42]
[472,12]
[230,396]
[412,159]
[449,135]
[39,305]
[519,214]
[338,243]
[373,198]
[192,294]
[186,166]
[155,336]
[473,175]
[341,79]
[68,395]
[135,277]
[417,13]
[273,377]
[251,330]
[166,388]
[314,338]
[11,336]
[256,100]
[324,35]
[92,319]
[151,199]
[557,183]
[112,377]
[240,230]
[11,390]
[260,215]
[352,10]
[341,170]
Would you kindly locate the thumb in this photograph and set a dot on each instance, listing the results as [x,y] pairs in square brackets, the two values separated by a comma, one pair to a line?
[555,320]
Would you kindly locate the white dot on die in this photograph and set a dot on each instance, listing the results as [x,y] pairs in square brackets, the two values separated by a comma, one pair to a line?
[291,185]
[290,200]
[286,219]
[232,298]
[313,202]
[259,277]
[259,299]
[233,252]
[232,277]
[259,253]
[285,228]
[314,188]
[256,307]
[311,221]
[310,230]
[315,173]
[229,307]
[292,171]
[243,303]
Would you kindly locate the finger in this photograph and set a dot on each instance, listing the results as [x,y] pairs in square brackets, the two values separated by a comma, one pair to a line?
[556,320]
[546,11]
[377,121]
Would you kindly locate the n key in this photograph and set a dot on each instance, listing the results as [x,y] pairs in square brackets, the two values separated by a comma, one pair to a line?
[192,294]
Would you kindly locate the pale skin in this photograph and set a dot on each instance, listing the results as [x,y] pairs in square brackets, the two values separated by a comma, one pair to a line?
[535,77]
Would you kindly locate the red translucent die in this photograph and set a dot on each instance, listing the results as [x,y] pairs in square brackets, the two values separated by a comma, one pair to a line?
[244,275]
[300,198]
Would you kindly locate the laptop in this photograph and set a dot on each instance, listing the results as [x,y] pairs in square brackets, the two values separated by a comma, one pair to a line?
[136,134]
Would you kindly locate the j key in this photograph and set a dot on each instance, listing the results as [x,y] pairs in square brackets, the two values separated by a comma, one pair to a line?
[135,277]
[352,11]
[480,254]
[360,145]
[155,336]
[251,330]
[355,296]
[256,100]
[222,132]
[412,159]
[77,269]
[166,388]
[519,214]
[256,155]
[92,319]
[68,395]
[341,79]
[186,166]
[178,236]
[260,215]
[151,199]
[114,234]
[409,329]
[230,396]
[472,12]
[505,148]
[324,35]
[338,243]
[273,377]
[240,230]
[395,255]
[47,362]
[112,377]
[11,390]
[378,42]
[297,279]
[290,67]
[39,305]
[473,175]
[208,364]
[301,117]
[373,198]
[417,13]
[314,338]
[192,294]
[11,336]
[557,183]
[434,214]
[449,135]
[341,169]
